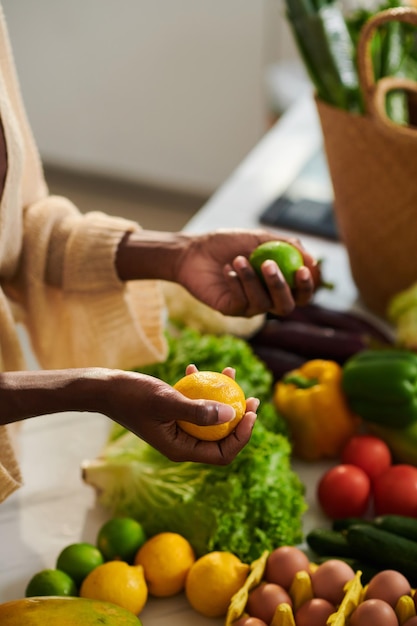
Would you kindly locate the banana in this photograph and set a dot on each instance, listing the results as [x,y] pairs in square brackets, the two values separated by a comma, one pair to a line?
[64,611]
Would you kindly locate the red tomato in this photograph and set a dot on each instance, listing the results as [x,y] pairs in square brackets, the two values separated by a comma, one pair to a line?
[395,491]
[344,491]
[369,453]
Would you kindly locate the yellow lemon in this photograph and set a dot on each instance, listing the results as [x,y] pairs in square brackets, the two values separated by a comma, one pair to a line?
[212,582]
[117,582]
[166,559]
[212,386]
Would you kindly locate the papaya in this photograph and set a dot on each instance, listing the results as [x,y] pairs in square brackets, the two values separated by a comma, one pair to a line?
[64,611]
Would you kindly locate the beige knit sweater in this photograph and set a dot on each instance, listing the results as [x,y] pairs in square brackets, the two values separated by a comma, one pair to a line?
[94,319]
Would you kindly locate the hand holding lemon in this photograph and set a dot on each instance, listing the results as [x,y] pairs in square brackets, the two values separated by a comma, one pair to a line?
[212,386]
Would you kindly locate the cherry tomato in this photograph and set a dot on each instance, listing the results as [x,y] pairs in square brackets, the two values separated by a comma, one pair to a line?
[369,453]
[344,491]
[395,491]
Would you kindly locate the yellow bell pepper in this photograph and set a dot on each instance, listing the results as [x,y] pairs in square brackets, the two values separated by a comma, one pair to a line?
[312,402]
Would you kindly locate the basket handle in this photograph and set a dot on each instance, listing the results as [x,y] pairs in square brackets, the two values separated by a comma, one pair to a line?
[374,93]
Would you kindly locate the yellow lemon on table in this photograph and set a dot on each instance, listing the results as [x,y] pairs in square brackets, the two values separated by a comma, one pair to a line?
[212,386]
[119,583]
[166,559]
[212,582]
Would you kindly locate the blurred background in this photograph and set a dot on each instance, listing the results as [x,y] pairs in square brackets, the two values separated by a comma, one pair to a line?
[150,102]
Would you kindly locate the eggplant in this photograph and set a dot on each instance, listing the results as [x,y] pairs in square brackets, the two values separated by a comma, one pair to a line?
[279,362]
[332,318]
[310,341]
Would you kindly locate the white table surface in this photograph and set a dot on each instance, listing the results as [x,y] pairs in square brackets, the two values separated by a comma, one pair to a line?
[55,508]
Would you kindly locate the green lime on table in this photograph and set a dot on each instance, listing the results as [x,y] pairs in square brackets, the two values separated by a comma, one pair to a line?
[120,538]
[78,560]
[288,258]
[51,582]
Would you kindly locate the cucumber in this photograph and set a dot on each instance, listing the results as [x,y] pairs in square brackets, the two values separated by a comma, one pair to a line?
[398,524]
[384,549]
[345,522]
[324,541]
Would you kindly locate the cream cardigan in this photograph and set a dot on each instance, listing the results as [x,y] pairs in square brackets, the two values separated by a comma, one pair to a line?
[93,319]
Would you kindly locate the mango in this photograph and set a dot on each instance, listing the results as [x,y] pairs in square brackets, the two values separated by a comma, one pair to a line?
[64,611]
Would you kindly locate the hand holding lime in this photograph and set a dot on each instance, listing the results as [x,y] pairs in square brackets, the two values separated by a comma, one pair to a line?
[288,258]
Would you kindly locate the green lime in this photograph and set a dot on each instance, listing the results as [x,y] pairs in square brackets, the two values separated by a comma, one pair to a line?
[120,538]
[286,256]
[51,582]
[79,559]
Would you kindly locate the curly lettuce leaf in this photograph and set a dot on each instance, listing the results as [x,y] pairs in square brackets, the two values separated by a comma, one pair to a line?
[254,504]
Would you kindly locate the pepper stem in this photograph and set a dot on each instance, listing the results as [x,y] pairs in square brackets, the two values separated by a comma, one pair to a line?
[302,382]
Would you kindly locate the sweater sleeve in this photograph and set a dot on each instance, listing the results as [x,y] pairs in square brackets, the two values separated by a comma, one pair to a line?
[10,476]
[93,318]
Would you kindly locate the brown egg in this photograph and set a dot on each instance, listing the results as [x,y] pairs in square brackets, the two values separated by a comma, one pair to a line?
[314,612]
[388,585]
[373,612]
[264,599]
[329,580]
[411,622]
[249,621]
[283,563]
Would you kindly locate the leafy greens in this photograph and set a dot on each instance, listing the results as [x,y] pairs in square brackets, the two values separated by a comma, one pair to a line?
[254,504]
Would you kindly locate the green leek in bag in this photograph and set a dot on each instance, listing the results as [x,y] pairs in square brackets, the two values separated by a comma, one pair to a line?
[327,41]
[326,46]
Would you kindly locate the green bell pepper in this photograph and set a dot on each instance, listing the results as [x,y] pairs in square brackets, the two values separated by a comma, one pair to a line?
[381,386]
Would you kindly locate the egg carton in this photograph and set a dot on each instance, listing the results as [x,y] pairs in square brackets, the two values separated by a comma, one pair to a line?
[301,591]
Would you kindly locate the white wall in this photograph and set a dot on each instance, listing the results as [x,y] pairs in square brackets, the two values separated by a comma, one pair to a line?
[164,91]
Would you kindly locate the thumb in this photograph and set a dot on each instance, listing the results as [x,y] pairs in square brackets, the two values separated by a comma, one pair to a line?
[206,412]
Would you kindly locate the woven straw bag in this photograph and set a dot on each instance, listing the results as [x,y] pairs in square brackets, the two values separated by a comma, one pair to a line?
[373,166]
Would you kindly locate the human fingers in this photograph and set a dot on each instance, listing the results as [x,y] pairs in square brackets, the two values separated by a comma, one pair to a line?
[217,452]
[252,404]
[304,286]
[229,371]
[281,295]
[205,412]
[256,296]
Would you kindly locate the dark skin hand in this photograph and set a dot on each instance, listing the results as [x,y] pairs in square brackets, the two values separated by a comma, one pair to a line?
[159,408]
[145,405]
[214,268]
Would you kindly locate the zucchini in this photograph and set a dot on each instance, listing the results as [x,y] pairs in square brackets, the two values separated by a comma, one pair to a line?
[398,524]
[324,541]
[384,549]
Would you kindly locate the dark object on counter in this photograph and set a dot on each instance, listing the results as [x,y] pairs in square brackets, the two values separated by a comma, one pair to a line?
[337,319]
[384,549]
[310,341]
[278,361]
